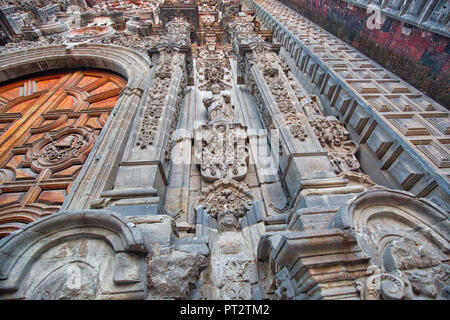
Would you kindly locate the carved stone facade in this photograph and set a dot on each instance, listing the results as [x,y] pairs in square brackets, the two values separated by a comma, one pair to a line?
[212,150]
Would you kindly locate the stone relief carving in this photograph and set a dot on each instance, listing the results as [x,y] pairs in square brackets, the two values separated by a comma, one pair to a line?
[60,260]
[256,93]
[406,239]
[224,152]
[213,67]
[334,139]
[409,271]
[269,65]
[61,149]
[176,116]
[75,280]
[224,149]
[141,44]
[218,106]
[232,270]
[155,102]
[227,201]
[177,35]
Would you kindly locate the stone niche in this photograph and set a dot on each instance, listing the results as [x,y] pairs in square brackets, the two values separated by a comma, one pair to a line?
[407,240]
[90,254]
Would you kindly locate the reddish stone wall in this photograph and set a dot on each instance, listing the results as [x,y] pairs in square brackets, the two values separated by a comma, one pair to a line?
[420,58]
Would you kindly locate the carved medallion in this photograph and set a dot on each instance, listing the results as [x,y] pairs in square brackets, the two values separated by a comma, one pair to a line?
[62,149]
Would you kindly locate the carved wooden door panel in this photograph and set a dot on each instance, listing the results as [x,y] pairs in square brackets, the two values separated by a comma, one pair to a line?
[48,126]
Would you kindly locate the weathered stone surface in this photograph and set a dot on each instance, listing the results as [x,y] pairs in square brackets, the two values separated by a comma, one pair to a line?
[171,276]
[200,152]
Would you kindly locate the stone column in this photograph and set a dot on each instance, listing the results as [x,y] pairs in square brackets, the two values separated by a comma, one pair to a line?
[140,183]
[303,161]
[318,165]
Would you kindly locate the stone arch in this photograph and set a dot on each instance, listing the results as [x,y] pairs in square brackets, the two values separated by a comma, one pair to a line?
[407,240]
[131,64]
[414,214]
[22,249]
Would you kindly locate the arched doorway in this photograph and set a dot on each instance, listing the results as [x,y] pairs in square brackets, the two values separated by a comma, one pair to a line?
[48,125]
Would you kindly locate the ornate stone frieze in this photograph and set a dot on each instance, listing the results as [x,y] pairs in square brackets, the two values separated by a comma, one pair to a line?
[176,116]
[266,118]
[156,100]
[135,42]
[334,139]
[224,152]
[118,39]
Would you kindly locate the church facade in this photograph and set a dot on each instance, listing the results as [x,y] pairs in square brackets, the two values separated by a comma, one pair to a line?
[218,150]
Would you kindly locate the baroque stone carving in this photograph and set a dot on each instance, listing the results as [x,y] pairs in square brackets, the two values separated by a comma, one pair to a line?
[410,272]
[268,64]
[177,35]
[334,139]
[155,102]
[62,262]
[60,150]
[213,67]
[176,116]
[408,261]
[219,106]
[224,151]
[227,201]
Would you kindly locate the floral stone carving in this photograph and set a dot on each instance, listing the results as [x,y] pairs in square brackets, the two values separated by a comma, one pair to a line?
[333,137]
[227,201]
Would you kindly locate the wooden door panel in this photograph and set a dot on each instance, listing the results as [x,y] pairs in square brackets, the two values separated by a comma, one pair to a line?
[48,126]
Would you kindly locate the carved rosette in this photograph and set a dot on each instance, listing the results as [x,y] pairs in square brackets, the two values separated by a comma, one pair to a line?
[60,150]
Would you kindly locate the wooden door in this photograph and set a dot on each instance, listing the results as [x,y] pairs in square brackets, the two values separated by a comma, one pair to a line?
[48,126]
